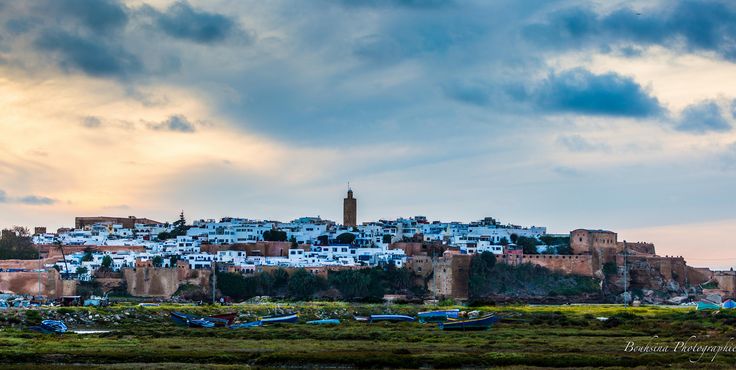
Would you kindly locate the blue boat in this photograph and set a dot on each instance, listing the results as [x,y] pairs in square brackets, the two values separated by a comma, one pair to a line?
[280,319]
[707,305]
[481,323]
[191,321]
[324,322]
[51,326]
[438,316]
[242,325]
[391,318]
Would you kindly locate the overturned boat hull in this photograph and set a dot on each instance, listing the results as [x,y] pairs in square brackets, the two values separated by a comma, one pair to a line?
[481,323]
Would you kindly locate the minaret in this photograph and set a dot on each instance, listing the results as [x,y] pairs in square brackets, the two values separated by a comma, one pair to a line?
[350,209]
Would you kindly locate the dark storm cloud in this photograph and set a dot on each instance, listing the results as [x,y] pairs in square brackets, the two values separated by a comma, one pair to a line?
[106,38]
[703,117]
[689,25]
[19,25]
[175,123]
[580,91]
[91,55]
[181,21]
[99,16]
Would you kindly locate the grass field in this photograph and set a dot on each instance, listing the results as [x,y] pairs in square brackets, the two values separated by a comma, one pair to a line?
[527,336]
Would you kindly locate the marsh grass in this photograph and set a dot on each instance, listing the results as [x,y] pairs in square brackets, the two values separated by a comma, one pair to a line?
[540,336]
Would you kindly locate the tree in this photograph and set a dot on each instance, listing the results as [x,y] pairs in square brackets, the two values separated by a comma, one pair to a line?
[503,241]
[173,260]
[304,285]
[16,243]
[481,267]
[280,278]
[274,235]
[610,268]
[158,261]
[81,270]
[514,238]
[528,245]
[294,244]
[164,235]
[345,238]
[87,255]
[387,238]
[323,239]
[180,226]
[106,262]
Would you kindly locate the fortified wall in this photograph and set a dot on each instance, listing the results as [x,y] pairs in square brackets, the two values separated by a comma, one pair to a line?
[566,264]
[163,282]
[445,276]
[48,282]
[726,280]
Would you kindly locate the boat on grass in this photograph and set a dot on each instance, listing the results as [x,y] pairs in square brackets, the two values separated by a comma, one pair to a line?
[280,319]
[707,305]
[391,318]
[191,321]
[481,323]
[324,322]
[438,316]
[243,325]
[224,319]
[51,326]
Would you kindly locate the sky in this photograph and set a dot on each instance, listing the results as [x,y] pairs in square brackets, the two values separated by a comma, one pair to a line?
[565,114]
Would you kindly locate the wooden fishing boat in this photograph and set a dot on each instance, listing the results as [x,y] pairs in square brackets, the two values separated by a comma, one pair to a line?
[324,322]
[438,316]
[224,319]
[481,323]
[191,321]
[280,319]
[201,323]
[707,305]
[51,326]
[391,318]
[242,325]
[179,318]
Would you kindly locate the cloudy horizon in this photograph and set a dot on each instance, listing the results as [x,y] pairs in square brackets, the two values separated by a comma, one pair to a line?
[565,114]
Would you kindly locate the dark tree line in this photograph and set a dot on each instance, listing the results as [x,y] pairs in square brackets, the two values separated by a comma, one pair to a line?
[352,285]
[16,243]
[488,278]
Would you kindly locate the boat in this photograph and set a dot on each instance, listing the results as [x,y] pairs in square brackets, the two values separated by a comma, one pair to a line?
[438,316]
[362,318]
[707,305]
[225,319]
[391,318]
[729,304]
[180,318]
[324,322]
[279,319]
[481,323]
[51,326]
[241,325]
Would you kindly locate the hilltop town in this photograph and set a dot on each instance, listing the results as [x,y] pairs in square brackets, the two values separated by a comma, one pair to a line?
[140,257]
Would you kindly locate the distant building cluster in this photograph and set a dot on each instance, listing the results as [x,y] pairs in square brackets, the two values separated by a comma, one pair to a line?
[245,245]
